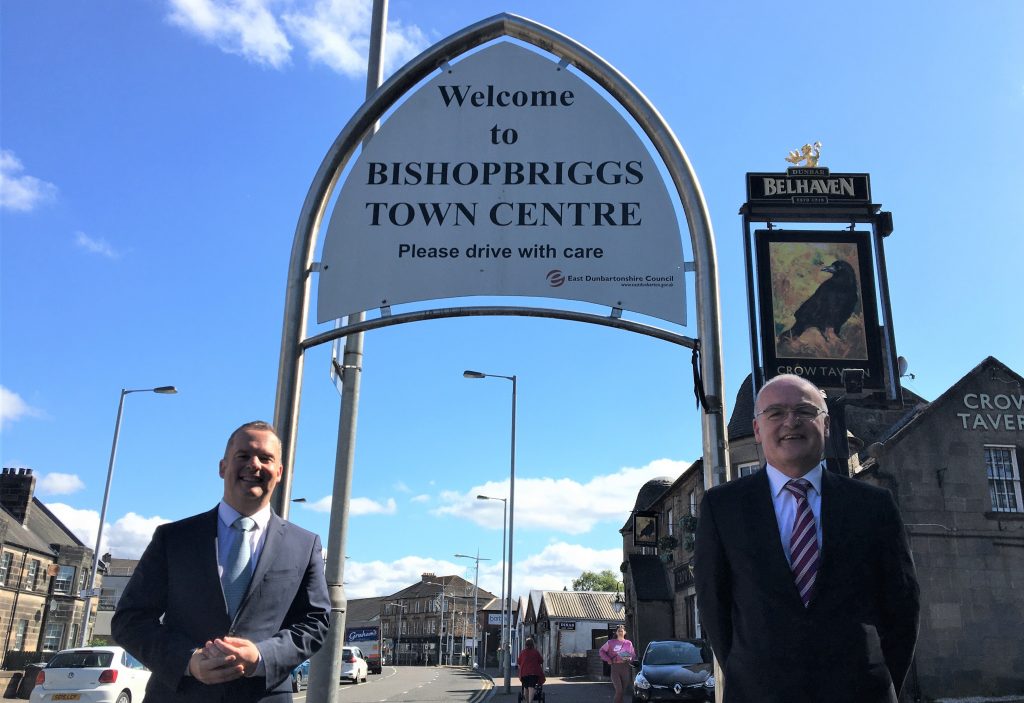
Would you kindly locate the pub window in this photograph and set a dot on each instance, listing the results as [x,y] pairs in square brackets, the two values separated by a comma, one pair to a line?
[693,502]
[5,567]
[32,575]
[1003,479]
[64,581]
[670,516]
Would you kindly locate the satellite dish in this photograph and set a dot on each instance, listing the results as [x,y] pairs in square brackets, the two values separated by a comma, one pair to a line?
[902,364]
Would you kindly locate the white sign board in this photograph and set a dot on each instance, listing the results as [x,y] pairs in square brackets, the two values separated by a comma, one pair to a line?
[504,175]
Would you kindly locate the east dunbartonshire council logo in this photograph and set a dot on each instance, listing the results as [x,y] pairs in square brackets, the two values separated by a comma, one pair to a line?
[557,278]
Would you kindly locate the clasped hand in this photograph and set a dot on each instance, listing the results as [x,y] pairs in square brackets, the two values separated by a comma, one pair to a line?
[224,659]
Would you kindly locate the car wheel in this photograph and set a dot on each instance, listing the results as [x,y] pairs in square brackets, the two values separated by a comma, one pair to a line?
[124,697]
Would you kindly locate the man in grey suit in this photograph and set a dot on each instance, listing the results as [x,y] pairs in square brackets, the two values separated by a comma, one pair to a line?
[224,604]
[805,582]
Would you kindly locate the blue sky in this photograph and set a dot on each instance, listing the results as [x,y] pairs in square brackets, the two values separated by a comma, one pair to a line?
[155,158]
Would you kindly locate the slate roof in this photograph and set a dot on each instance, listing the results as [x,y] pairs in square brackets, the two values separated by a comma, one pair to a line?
[48,528]
[23,537]
[648,576]
[363,610]
[452,584]
[580,605]
[741,422]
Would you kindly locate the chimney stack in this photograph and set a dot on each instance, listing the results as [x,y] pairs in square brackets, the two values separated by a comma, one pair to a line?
[16,489]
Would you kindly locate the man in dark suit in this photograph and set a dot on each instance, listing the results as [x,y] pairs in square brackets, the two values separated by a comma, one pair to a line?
[805,582]
[224,604]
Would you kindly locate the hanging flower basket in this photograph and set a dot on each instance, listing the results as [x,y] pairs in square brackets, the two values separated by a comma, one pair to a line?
[668,543]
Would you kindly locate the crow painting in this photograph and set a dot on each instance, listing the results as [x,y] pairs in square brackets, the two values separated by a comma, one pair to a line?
[830,306]
[648,530]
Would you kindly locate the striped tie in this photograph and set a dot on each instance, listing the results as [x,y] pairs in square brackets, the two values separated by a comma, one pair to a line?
[803,543]
[236,565]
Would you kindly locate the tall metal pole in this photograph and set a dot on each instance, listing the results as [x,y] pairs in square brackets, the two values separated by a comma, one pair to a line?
[84,634]
[476,591]
[398,637]
[325,669]
[511,531]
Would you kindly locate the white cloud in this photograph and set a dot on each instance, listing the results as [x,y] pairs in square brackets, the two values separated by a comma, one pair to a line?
[336,33]
[244,27]
[96,246]
[19,192]
[401,487]
[125,539]
[59,484]
[13,407]
[421,498]
[559,504]
[356,506]
[553,568]
[378,578]
[559,564]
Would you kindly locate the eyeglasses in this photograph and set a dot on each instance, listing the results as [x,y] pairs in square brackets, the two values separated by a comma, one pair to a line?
[802,413]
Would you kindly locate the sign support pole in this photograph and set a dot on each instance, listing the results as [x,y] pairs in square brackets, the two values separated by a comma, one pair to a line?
[325,670]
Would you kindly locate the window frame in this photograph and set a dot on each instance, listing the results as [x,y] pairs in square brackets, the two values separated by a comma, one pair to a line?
[6,559]
[59,580]
[1010,485]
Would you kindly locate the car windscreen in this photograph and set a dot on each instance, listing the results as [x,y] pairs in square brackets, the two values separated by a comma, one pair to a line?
[662,653]
[81,659]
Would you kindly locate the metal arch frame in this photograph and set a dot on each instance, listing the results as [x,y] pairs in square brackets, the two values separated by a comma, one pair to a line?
[300,269]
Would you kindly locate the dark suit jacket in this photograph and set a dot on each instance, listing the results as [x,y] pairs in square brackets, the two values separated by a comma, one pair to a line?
[285,610]
[855,641]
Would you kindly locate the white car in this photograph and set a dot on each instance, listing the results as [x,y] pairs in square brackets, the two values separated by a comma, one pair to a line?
[91,675]
[353,665]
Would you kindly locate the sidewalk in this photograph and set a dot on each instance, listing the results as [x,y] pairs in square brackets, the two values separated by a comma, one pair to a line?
[574,689]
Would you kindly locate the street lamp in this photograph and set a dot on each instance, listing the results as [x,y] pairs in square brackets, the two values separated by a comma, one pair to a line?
[504,525]
[511,518]
[440,627]
[168,390]
[398,639]
[476,589]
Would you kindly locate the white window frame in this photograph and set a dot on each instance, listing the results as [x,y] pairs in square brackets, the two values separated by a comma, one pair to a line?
[5,567]
[670,515]
[19,635]
[1002,486]
[747,468]
[32,575]
[64,581]
[53,635]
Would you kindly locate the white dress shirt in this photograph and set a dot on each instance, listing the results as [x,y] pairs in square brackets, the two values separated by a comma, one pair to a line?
[785,503]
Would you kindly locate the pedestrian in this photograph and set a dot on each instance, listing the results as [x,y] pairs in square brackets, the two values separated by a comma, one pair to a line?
[805,582]
[224,604]
[619,654]
[531,668]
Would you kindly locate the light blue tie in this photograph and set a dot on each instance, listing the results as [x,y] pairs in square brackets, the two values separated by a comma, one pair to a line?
[237,570]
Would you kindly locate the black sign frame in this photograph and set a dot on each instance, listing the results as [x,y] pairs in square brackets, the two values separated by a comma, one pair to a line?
[645,522]
[777,349]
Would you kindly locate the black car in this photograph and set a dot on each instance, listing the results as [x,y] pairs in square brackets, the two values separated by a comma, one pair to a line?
[675,670]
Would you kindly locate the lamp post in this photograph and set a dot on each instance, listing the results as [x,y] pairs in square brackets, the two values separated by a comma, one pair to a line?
[440,626]
[504,524]
[168,390]
[511,519]
[476,589]
[398,638]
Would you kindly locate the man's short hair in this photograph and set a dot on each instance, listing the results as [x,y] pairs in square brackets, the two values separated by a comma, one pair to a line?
[258,425]
[790,376]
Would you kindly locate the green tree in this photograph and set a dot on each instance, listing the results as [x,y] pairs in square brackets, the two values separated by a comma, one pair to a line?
[593,581]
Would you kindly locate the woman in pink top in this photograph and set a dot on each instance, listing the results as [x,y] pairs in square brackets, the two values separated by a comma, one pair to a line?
[619,653]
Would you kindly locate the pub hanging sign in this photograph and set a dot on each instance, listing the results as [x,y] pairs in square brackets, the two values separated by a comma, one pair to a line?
[808,186]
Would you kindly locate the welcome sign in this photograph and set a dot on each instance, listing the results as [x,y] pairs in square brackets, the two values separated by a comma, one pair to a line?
[504,175]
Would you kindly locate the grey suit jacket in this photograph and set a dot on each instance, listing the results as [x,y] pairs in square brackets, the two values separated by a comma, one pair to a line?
[855,641]
[174,602]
